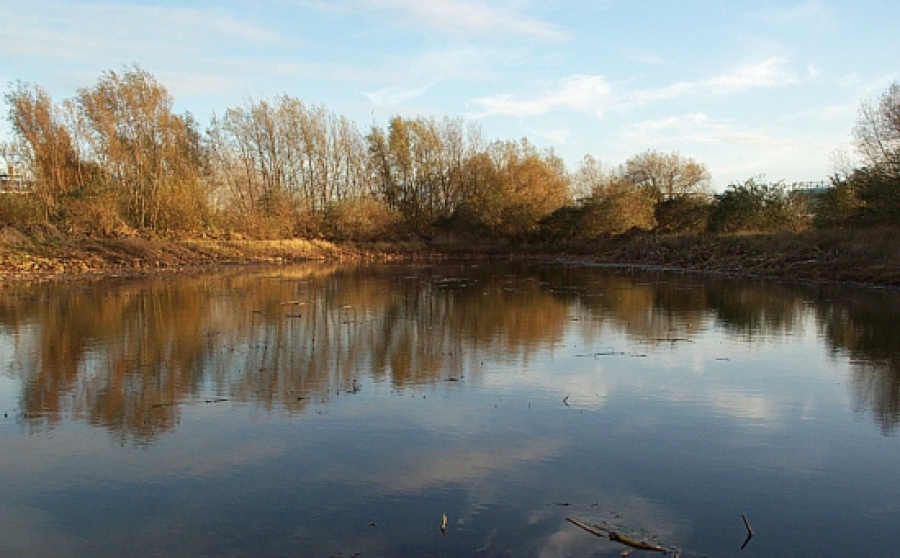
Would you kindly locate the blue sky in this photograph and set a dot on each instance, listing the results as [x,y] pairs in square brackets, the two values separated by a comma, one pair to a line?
[747,88]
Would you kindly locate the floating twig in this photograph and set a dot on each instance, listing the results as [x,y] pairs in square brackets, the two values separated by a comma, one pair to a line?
[640,545]
[587,527]
[601,531]
[749,531]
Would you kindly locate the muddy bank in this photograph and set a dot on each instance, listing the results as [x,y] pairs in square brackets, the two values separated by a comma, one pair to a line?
[866,256]
[43,254]
[870,256]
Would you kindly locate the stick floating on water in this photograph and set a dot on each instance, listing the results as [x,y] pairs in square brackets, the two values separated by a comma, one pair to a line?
[749,531]
[586,527]
[598,531]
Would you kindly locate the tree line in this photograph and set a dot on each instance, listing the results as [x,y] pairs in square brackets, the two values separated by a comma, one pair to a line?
[117,159]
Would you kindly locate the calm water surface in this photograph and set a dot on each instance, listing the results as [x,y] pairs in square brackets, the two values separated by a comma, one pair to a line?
[338,411]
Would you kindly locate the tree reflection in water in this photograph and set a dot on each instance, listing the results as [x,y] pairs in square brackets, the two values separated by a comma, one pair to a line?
[128,354]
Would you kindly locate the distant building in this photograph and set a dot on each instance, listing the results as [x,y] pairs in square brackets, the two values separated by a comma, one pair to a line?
[13,183]
[812,193]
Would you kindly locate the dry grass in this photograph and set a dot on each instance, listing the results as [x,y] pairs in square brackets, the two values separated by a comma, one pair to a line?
[862,256]
[29,257]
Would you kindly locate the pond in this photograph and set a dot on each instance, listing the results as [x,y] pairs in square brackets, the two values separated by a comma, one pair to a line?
[325,410]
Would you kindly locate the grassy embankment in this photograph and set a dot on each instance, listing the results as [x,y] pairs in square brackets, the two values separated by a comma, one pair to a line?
[868,256]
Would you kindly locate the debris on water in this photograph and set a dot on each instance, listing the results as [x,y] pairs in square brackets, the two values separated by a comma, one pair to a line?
[606,532]
[749,531]
[674,340]
[566,400]
[586,527]
[633,543]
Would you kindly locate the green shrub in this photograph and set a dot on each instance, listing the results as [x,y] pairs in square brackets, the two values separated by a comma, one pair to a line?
[756,206]
[878,190]
[837,206]
[683,214]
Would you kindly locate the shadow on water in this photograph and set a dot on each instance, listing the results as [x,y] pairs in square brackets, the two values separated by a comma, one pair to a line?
[127,355]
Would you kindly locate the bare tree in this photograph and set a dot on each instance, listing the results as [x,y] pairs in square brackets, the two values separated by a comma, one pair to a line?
[666,175]
[420,166]
[594,180]
[46,144]
[877,131]
[151,155]
[271,156]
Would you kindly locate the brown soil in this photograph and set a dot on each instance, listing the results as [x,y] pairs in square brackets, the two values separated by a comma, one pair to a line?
[29,257]
[868,256]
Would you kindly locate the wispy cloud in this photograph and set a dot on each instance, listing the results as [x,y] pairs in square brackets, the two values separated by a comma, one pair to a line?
[584,93]
[468,17]
[773,72]
[420,74]
[556,136]
[399,94]
[783,149]
[594,94]
[99,30]
[698,128]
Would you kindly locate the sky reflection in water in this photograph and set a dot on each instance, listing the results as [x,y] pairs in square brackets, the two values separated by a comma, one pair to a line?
[318,410]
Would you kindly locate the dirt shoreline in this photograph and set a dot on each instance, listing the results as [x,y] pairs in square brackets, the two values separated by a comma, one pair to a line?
[868,257]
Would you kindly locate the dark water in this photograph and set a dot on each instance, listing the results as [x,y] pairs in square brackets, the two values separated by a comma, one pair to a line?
[332,411]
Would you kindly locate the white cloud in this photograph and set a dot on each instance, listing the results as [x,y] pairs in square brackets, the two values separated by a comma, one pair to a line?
[584,93]
[772,72]
[698,129]
[784,149]
[468,17]
[89,32]
[594,94]
[400,94]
